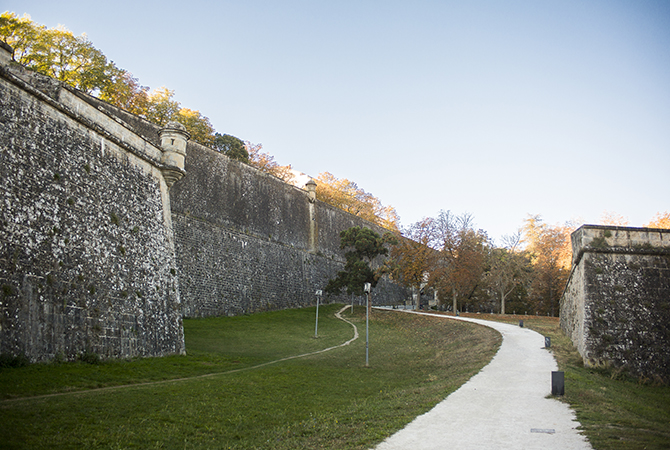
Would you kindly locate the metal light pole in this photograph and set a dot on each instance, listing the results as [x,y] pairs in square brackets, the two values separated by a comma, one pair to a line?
[319,293]
[367,287]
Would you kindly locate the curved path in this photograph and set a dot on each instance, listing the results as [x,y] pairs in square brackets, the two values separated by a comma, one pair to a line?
[504,406]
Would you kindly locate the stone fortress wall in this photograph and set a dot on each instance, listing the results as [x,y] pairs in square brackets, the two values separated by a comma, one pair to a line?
[87,260]
[616,305]
[100,252]
[246,241]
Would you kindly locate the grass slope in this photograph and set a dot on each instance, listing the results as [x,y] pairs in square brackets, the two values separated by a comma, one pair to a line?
[329,400]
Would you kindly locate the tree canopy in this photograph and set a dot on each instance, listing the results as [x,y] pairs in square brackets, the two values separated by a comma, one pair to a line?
[362,246]
[662,220]
[415,256]
[346,195]
[266,162]
[450,255]
[58,53]
[231,146]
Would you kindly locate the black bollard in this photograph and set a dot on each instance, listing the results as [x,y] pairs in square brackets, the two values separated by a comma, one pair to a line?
[557,383]
[521,323]
[547,342]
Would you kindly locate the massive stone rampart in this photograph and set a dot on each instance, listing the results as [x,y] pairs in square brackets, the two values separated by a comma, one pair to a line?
[616,306]
[247,241]
[100,252]
[86,245]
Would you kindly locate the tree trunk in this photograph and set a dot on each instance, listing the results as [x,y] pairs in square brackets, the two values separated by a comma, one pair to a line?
[453,292]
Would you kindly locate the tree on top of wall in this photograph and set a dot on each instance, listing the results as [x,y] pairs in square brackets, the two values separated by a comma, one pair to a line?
[348,196]
[662,220]
[265,162]
[59,54]
[231,146]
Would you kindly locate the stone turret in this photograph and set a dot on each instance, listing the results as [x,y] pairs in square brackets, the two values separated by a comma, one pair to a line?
[311,190]
[6,52]
[173,143]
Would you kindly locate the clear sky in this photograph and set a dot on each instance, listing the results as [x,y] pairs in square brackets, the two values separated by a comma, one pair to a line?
[496,108]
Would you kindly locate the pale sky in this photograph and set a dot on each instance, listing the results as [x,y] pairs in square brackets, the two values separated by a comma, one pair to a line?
[496,108]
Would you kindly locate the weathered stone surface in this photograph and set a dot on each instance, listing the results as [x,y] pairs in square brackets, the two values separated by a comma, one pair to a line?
[89,258]
[616,306]
[244,240]
[86,253]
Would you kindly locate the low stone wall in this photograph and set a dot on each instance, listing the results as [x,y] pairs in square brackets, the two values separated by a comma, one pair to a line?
[616,306]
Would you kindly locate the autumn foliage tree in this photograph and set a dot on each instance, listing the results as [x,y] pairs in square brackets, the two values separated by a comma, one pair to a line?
[662,220]
[463,252]
[59,54]
[550,251]
[265,162]
[126,92]
[346,195]
[615,219]
[414,257]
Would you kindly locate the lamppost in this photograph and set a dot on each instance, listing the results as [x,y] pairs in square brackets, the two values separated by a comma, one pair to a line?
[319,293]
[366,288]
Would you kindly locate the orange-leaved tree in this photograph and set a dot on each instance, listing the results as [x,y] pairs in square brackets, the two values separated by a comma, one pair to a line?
[662,220]
[58,53]
[346,195]
[615,219]
[551,254]
[463,255]
[415,257]
[265,162]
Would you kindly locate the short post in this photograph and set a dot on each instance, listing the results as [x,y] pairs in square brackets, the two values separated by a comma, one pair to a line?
[367,287]
[521,323]
[316,327]
[547,342]
[557,383]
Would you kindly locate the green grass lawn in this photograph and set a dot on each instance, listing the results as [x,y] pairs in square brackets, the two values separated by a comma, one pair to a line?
[616,411]
[328,400]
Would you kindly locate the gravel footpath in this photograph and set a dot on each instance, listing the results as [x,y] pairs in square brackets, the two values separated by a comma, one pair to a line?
[504,406]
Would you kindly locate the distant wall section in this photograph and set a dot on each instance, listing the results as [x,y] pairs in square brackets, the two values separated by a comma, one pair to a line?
[616,306]
[246,241]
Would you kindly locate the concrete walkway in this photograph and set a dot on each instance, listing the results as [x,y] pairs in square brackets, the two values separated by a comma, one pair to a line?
[503,407]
